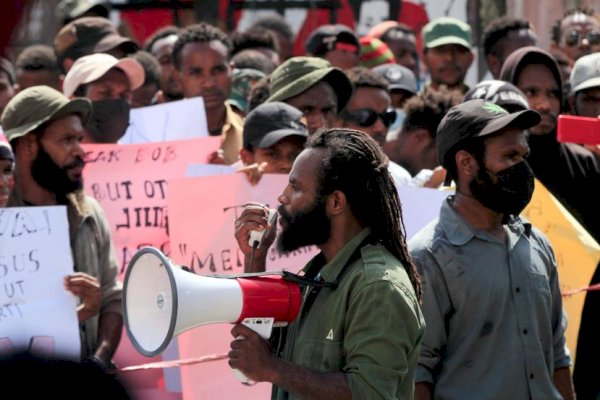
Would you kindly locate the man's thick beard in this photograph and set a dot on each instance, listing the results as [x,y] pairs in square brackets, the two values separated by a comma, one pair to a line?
[53,178]
[304,228]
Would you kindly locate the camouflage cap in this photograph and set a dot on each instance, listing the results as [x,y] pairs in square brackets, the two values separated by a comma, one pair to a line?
[298,74]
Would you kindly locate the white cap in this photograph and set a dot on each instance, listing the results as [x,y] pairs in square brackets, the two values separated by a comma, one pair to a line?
[90,68]
[585,73]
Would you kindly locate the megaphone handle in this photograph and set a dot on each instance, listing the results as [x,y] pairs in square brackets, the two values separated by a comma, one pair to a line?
[262,326]
[240,375]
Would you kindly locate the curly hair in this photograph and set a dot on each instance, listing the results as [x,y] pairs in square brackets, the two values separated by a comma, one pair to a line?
[498,28]
[161,33]
[426,110]
[352,156]
[364,77]
[199,33]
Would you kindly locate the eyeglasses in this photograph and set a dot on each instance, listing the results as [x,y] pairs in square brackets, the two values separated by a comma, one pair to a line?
[366,117]
[573,38]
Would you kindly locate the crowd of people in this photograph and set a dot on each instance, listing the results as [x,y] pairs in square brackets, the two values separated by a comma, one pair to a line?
[470,307]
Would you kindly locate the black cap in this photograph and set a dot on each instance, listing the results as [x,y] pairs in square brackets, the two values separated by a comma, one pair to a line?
[503,93]
[398,77]
[329,37]
[270,122]
[476,118]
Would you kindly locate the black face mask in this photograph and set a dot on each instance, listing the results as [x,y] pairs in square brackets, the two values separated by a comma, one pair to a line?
[109,120]
[511,192]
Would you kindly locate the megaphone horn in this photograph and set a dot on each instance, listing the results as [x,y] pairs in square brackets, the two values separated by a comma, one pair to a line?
[161,300]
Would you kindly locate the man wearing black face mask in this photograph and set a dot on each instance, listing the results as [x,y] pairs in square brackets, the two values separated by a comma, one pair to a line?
[45,129]
[491,296]
[108,82]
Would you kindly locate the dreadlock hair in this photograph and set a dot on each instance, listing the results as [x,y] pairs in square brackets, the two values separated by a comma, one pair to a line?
[556,28]
[352,156]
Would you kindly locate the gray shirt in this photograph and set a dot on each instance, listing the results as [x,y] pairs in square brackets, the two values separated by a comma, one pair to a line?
[493,309]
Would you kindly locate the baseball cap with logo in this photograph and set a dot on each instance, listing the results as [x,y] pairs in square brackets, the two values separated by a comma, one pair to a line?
[476,118]
[89,68]
[298,74]
[331,37]
[585,73]
[268,123]
[36,105]
[89,35]
[503,93]
[446,30]
[398,76]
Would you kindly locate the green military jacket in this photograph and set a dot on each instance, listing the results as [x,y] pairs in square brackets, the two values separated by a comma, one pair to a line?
[370,327]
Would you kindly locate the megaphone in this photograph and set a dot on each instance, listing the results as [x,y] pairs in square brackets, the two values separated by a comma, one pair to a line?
[162,299]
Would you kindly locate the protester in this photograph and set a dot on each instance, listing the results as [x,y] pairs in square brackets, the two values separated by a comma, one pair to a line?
[281,29]
[585,87]
[502,36]
[567,170]
[7,82]
[45,128]
[576,34]
[585,102]
[201,57]
[414,147]
[253,59]
[147,94]
[37,65]
[274,135]
[369,108]
[373,53]
[401,40]
[313,86]
[89,35]
[108,83]
[336,43]
[242,81]
[160,45]
[402,83]
[491,294]
[360,339]
[448,55]
[261,40]
[7,169]
[503,93]
[71,10]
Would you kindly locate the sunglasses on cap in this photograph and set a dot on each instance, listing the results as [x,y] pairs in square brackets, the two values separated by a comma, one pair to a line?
[573,38]
[366,117]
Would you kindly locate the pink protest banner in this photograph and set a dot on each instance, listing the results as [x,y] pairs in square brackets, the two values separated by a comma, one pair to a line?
[201,220]
[130,183]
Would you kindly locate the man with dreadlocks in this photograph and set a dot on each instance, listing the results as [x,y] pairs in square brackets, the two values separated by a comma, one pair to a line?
[359,335]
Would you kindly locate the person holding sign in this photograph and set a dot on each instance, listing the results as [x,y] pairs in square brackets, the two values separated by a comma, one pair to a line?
[491,294]
[7,166]
[274,135]
[201,57]
[359,330]
[45,129]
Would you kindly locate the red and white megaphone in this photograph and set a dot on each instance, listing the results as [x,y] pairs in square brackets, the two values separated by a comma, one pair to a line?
[161,299]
